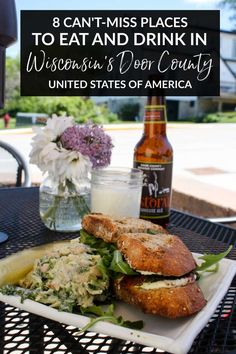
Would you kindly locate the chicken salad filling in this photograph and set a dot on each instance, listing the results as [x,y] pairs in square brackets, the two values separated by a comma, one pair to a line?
[67,278]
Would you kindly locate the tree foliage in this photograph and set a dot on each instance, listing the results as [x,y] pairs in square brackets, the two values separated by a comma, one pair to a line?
[82,109]
[12,78]
[231,4]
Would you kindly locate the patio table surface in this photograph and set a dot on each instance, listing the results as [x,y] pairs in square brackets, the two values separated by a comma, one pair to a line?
[21,332]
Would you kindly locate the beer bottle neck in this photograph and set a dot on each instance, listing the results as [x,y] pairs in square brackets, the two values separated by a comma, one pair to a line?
[155,117]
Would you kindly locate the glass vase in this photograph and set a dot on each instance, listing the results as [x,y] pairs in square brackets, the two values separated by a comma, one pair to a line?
[62,205]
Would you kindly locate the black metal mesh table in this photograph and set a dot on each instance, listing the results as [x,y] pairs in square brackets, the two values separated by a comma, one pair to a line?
[21,332]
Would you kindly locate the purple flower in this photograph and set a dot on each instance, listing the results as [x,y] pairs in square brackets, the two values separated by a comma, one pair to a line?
[90,140]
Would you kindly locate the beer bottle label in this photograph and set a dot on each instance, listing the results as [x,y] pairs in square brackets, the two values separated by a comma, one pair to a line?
[155,115]
[156,192]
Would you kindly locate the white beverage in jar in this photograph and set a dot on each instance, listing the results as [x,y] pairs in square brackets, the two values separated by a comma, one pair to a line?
[116,192]
[116,201]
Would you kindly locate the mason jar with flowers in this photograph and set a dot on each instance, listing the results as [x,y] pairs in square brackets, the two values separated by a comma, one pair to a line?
[66,152]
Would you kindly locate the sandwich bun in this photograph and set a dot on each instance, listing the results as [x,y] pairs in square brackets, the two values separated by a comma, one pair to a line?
[171,302]
[162,254]
[109,228]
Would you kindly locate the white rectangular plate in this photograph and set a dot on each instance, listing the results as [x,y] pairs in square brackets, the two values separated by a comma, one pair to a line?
[174,336]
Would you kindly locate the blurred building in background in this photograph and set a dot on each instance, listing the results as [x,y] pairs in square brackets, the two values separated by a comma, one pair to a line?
[180,108]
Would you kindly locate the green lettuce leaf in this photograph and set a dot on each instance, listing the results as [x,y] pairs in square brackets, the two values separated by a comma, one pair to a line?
[95,242]
[118,265]
[151,232]
[107,315]
[211,261]
[98,310]
[111,257]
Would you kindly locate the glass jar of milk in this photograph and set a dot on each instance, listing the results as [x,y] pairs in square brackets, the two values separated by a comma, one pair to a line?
[116,191]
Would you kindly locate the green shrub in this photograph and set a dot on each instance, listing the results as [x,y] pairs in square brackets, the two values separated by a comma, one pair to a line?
[195,119]
[80,108]
[220,117]
[211,118]
[129,111]
[217,117]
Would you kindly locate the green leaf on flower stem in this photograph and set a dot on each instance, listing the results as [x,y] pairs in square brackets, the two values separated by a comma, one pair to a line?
[210,260]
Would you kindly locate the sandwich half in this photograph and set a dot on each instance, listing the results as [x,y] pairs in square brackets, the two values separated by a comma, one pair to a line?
[110,228]
[161,279]
[161,254]
[166,285]
[166,297]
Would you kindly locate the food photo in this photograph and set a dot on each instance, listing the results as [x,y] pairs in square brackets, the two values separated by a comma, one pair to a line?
[117,177]
[117,261]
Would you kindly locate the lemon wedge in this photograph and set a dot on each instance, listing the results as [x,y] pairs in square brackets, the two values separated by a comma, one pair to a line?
[16,266]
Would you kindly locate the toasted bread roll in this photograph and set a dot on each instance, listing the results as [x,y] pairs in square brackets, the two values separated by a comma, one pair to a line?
[172,302]
[109,228]
[163,254]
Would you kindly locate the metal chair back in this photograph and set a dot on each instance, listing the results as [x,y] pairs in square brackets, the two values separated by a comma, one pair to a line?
[8,154]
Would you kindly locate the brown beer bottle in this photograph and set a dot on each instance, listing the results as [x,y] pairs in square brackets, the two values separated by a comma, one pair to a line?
[154,156]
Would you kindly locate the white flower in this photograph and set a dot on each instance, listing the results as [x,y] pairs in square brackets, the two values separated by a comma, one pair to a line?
[49,155]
